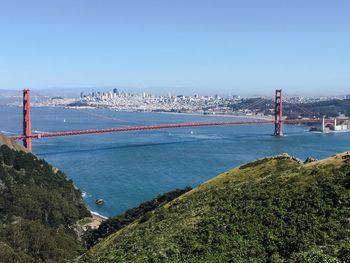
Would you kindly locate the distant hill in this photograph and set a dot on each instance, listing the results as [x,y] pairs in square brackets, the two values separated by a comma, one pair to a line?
[39,208]
[271,210]
[78,104]
[329,108]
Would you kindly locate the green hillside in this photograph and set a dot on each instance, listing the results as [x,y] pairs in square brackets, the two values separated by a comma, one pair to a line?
[39,208]
[271,210]
[142,212]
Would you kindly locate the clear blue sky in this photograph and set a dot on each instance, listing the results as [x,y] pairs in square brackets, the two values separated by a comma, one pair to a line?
[217,46]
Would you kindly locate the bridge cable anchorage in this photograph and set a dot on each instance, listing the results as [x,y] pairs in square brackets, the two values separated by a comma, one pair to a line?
[27,135]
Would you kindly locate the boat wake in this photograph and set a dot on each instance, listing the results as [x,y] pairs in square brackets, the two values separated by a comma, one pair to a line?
[193,135]
[36,131]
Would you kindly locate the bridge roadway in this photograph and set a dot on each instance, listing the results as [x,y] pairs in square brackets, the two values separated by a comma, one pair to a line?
[156,127]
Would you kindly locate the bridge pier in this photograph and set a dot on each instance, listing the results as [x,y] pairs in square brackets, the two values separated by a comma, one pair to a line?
[278,113]
[323,123]
[27,126]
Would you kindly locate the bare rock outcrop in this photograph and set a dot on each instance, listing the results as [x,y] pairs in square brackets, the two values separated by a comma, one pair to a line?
[11,143]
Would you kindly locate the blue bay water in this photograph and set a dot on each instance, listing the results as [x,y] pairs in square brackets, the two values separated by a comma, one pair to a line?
[127,168]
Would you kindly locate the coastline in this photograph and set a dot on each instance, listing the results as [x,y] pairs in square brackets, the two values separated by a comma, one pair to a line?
[257,117]
[97,215]
[92,222]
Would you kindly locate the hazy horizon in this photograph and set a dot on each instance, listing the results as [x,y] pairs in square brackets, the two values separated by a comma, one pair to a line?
[75,91]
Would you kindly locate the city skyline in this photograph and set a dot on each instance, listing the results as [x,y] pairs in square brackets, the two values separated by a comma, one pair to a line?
[205,47]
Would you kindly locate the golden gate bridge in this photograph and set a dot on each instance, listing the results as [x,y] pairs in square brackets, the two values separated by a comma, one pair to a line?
[28,135]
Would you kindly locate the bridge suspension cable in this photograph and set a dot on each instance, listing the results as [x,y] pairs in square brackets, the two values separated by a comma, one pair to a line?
[303,109]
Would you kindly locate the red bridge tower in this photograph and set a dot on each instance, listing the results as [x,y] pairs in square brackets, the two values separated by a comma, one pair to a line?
[27,126]
[278,113]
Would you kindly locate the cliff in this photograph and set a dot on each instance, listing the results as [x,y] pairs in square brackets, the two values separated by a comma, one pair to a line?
[39,208]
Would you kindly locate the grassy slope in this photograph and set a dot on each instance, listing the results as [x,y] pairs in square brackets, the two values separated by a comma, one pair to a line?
[270,210]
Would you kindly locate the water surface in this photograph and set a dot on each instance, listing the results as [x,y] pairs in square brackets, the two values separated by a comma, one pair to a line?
[127,168]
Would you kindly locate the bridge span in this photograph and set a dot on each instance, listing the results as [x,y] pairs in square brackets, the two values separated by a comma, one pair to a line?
[28,136]
[156,127]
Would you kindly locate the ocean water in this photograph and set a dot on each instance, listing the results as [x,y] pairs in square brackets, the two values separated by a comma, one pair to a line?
[127,168]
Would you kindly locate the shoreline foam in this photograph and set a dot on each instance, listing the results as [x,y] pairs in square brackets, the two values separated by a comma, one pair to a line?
[98,215]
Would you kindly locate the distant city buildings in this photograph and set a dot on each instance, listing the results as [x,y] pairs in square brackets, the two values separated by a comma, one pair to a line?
[236,105]
[123,101]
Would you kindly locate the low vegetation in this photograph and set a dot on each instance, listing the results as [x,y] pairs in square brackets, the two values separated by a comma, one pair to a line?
[273,210]
[39,208]
[42,212]
[142,212]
